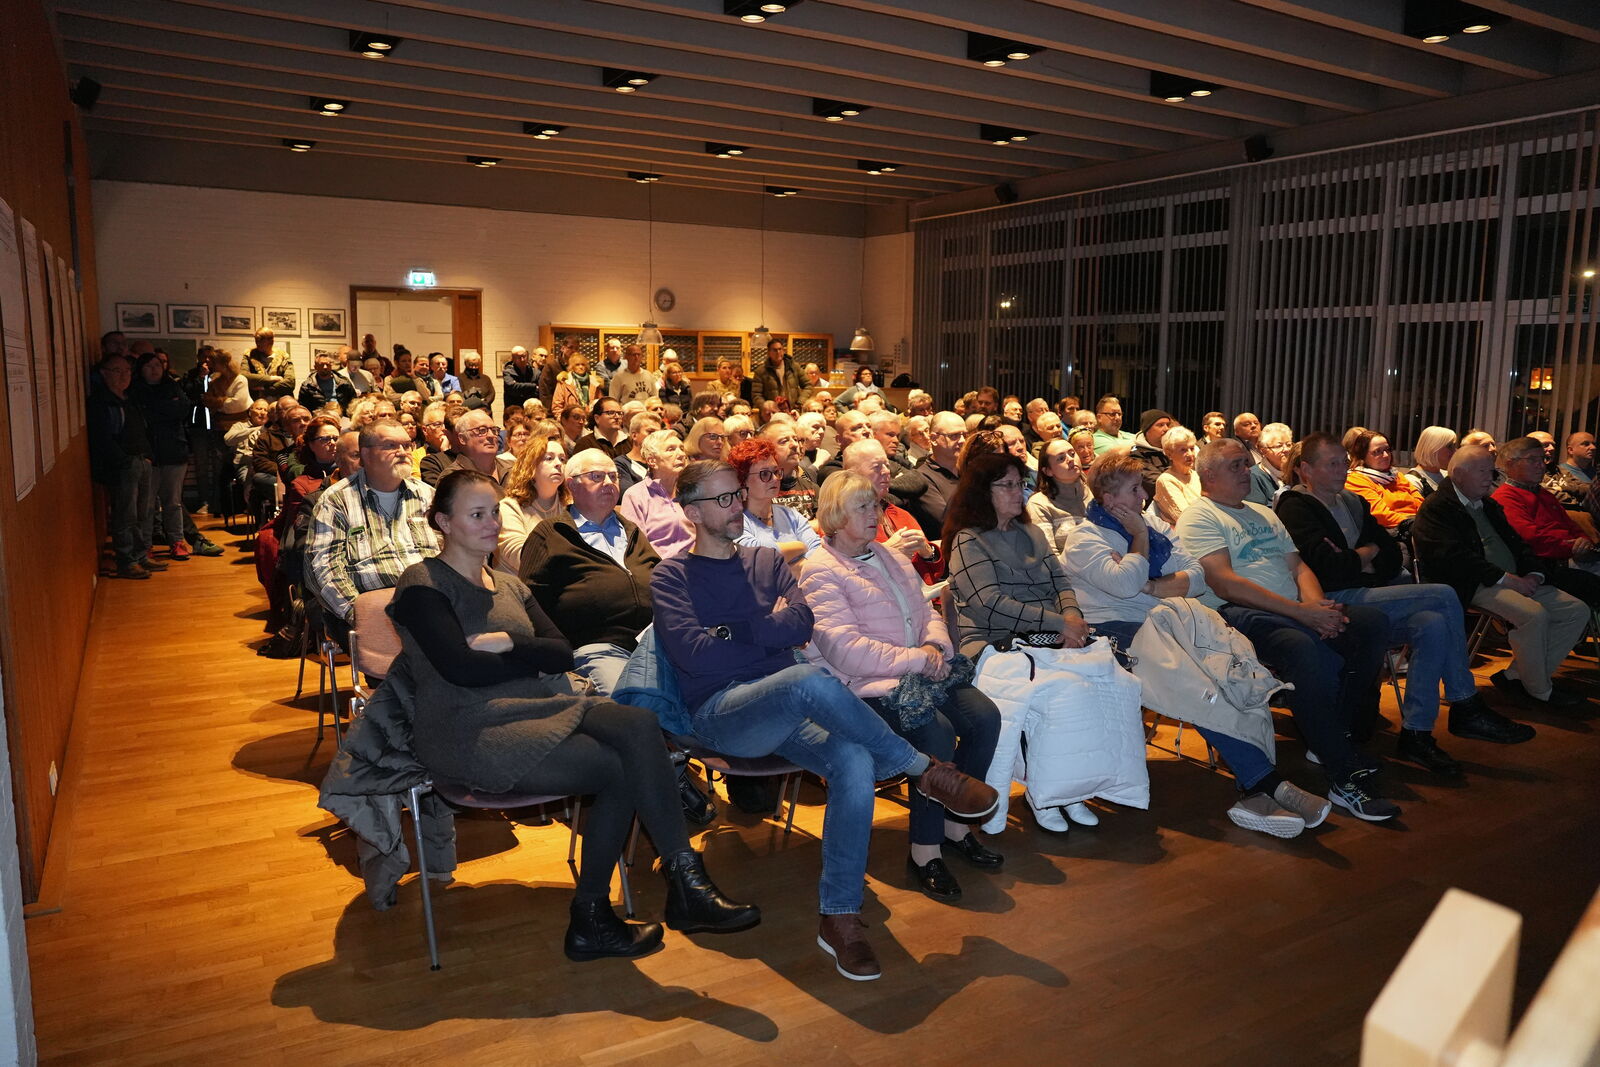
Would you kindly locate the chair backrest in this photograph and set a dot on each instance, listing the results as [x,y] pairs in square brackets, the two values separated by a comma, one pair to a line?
[379,641]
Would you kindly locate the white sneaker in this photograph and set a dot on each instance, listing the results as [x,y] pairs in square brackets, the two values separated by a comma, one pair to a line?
[1310,807]
[1049,818]
[1261,813]
[1082,814]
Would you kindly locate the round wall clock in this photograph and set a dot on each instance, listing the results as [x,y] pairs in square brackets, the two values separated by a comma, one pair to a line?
[665,300]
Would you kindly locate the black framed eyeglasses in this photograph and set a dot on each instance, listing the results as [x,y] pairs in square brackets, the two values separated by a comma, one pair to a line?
[723,500]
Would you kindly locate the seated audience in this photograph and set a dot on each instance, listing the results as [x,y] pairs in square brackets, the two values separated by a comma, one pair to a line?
[1081,438]
[729,620]
[863,385]
[1154,425]
[1263,589]
[367,529]
[738,428]
[407,378]
[1357,563]
[1572,477]
[1108,419]
[1268,476]
[273,458]
[573,420]
[767,523]
[707,439]
[608,434]
[1179,485]
[1537,516]
[652,504]
[1464,540]
[1006,580]
[494,711]
[849,426]
[535,492]
[1247,431]
[325,385]
[1120,568]
[630,464]
[474,445]
[896,528]
[1213,426]
[1062,499]
[1435,446]
[926,493]
[1391,498]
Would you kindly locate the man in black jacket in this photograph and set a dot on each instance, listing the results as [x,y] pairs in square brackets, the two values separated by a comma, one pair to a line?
[926,490]
[1464,540]
[521,376]
[590,568]
[119,459]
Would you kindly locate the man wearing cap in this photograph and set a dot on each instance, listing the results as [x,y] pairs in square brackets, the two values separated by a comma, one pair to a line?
[1153,426]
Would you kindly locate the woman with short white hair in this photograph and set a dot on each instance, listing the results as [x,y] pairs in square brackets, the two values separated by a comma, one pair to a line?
[650,505]
[1179,485]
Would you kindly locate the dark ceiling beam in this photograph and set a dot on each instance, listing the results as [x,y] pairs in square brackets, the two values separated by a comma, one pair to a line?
[1579,19]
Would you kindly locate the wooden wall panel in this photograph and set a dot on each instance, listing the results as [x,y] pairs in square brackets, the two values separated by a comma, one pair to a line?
[47,540]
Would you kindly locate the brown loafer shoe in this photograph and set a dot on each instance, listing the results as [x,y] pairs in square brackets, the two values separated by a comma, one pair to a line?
[963,796]
[840,936]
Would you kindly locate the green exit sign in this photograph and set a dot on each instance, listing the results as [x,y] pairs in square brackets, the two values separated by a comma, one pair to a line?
[423,279]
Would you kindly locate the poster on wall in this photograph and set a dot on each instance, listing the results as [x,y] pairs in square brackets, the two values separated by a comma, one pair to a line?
[39,332]
[78,359]
[44,365]
[73,356]
[60,395]
[19,373]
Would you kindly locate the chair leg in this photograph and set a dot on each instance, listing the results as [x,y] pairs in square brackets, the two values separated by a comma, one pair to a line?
[794,801]
[1392,658]
[622,869]
[415,793]
[330,652]
[300,686]
[574,810]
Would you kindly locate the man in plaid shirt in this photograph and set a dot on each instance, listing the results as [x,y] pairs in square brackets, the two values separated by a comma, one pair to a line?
[368,529]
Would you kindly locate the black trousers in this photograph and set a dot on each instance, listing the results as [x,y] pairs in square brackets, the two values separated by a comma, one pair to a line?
[616,753]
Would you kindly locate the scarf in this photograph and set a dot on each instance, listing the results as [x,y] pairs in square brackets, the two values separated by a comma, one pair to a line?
[1160,543]
[1383,478]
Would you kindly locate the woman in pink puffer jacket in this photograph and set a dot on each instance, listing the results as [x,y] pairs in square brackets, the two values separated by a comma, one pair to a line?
[873,629]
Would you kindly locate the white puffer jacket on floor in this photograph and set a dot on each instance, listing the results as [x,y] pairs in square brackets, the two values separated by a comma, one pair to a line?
[1079,711]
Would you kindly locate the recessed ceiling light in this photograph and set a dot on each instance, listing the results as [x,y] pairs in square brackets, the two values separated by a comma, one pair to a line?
[1176,88]
[295,144]
[998,51]
[328,105]
[1199,92]
[724,151]
[542,131]
[835,110]
[1434,21]
[1476,27]
[643,177]
[876,168]
[624,81]
[782,190]
[1435,38]
[756,10]
[1002,135]
[372,45]
[483,161]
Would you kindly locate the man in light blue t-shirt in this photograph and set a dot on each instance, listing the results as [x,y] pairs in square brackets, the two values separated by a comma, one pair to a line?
[1331,653]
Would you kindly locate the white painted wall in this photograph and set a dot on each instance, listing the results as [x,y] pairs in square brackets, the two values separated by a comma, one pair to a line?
[16,990]
[887,296]
[182,244]
[421,322]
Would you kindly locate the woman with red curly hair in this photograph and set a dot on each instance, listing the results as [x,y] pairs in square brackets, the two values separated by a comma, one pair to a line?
[766,523]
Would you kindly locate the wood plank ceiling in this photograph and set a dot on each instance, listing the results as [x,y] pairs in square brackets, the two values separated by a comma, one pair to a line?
[464,79]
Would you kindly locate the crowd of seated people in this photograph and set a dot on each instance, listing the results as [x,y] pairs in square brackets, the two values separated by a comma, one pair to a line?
[822,573]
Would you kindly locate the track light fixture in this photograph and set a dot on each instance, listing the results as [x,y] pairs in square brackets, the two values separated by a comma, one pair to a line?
[542,131]
[836,110]
[1002,135]
[754,11]
[372,45]
[326,105]
[296,144]
[724,151]
[998,51]
[625,81]
[1178,88]
[483,161]
[876,168]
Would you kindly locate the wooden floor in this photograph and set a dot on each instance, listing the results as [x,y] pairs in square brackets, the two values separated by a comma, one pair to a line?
[199,906]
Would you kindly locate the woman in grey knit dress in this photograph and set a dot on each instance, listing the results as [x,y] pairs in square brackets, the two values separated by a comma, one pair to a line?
[494,711]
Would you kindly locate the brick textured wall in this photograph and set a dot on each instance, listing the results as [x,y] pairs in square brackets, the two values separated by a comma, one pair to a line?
[182,244]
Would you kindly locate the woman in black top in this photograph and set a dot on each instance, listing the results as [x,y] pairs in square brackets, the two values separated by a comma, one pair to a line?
[494,710]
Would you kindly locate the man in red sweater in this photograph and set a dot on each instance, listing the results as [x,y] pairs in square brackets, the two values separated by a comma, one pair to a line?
[1539,519]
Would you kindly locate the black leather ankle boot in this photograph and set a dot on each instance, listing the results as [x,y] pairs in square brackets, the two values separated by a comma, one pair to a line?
[595,932]
[695,905]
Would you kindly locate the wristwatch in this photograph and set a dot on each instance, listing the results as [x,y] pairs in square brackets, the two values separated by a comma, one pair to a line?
[721,633]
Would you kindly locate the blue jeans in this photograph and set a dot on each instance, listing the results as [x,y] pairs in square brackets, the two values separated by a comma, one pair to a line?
[1248,763]
[966,714]
[1430,620]
[805,715]
[1335,679]
[602,665]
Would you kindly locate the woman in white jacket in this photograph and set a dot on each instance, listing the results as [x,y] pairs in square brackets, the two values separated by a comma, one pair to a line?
[1121,569]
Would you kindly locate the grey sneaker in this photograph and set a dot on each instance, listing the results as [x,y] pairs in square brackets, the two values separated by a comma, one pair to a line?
[1310,807]
[1350,796]
[1261,813]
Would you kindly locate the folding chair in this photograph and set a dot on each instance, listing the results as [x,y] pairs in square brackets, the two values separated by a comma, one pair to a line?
[458,795]
[714,763]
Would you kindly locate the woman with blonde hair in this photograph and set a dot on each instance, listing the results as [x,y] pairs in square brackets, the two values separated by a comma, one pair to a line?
[535,491]
[708,439]
[533,407]
[576,385]
[1435,446]
[878,635]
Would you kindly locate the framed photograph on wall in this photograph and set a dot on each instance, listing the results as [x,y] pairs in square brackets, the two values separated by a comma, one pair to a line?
[188,318]
[138,318]
[281,321]
[236,319]
[328,348]
[327,322]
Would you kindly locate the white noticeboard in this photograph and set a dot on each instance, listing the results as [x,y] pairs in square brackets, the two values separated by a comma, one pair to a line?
[60,387]
[19,369]
[39,332]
